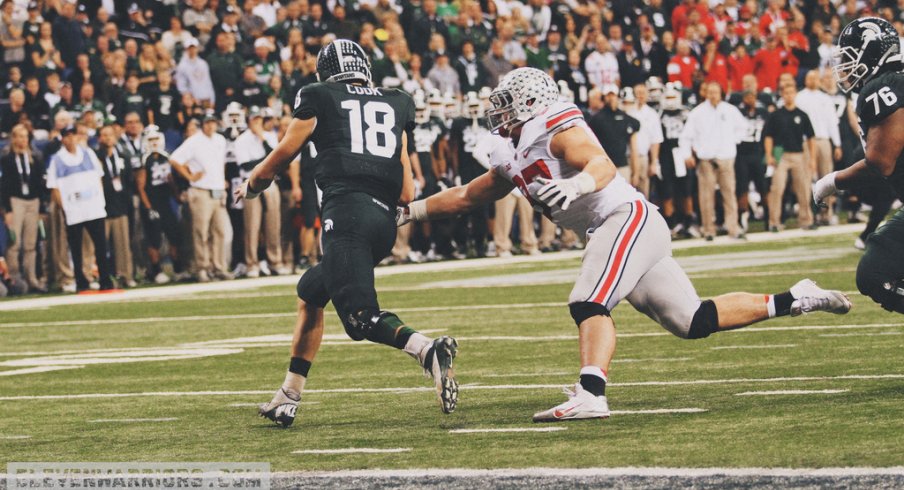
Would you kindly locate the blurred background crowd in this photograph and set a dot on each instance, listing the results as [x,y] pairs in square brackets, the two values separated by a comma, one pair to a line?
[722,113]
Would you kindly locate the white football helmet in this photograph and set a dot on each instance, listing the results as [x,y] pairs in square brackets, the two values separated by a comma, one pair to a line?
[655,89]
[452,107]
[520,96]
[153,140]
[436,102]
[565,92]
[473,106]
[234,116]
[627,97]
[671,97]
[421,108]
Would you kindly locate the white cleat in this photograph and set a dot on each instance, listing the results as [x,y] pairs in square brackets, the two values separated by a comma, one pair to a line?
[282,407]
[581,404]
[808,297]
[438,366]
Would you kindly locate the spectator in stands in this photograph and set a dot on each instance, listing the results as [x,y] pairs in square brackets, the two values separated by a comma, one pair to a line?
[201,159]
[74,177]
[427,24]
[36,106]
[193,75]
[683,65]
[711,135]
[200,20]
[573,74]
[772,60]
[14,113]
[22,190]
[789,128]
[495,63]
[471,72]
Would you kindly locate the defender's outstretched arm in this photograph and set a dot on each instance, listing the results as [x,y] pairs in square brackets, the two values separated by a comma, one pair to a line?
[485,189]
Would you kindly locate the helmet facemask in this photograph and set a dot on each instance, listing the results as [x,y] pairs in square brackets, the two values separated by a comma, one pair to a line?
[503,113]
[848,70]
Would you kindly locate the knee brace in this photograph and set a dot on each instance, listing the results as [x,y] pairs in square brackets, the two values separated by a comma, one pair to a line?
[705,322]
[358,325]
[373,325]
[586,309]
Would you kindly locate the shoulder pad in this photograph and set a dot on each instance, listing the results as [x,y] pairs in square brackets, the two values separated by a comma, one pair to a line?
[880,98]
[561,116]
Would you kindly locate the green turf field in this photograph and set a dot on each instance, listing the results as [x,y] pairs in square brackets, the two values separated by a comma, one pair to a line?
[517,347]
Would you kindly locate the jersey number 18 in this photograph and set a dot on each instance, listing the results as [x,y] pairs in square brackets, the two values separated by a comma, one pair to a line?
[367,133]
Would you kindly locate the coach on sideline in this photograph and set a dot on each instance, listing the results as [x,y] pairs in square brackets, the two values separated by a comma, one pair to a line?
[201,159]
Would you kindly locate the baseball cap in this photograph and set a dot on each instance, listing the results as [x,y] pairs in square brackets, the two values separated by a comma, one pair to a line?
[254,112]
[192,42]
[210,116]
[82,9]
[32,5]
[231,10]
[554,28]
[609,88]
[70,129]
[263,42]
[133,8]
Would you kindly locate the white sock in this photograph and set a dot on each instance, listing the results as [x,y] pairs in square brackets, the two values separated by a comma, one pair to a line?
[594,371]
[417,345]
[770,305]
[294,382]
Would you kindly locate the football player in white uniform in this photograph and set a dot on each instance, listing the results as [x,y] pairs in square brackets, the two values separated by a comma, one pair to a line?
[561,166]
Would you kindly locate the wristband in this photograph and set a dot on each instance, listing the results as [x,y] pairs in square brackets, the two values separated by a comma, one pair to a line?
[585,183]
[417,210]
[250,193]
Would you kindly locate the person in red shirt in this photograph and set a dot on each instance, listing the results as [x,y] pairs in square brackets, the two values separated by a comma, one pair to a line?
[739,64]
[681,13]
[715,66]
[682,66]
[771,61]
[774,17]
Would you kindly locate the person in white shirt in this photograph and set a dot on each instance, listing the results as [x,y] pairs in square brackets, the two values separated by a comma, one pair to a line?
[74,179]
[648,138]
[250,149]
[820,108]
[201,159]
[601,65]
[710,136]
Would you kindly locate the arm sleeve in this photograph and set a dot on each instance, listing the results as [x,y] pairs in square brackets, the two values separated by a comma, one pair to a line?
[305,103]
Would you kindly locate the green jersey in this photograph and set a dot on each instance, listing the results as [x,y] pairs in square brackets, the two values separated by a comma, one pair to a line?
[358,137]
[878,99]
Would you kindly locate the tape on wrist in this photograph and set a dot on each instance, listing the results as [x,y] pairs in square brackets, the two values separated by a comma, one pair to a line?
[585,183]
[417,210]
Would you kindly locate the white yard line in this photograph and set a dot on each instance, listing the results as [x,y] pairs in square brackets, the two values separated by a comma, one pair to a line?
[34,370]
[773,346]
[129,421]
[353,450]
[849,377]
[243,405]
[510,429]
[791,392]
[14,438]
[658,411]
[591,472]
[879,334]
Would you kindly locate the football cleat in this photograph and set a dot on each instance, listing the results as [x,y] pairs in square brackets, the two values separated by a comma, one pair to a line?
[438,365]
[808,297]
[581,405]
[281,409]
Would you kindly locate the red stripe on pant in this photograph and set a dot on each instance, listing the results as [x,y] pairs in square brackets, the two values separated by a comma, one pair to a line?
[620,259]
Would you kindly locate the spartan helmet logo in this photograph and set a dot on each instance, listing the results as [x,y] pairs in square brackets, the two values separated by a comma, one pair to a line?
[870,32]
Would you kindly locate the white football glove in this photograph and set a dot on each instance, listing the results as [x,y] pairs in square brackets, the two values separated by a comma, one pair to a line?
[402,216]
[562,192]
[824,188]
[153,215]
[416,211]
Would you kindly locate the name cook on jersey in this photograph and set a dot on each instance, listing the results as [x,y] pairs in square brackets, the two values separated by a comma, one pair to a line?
[352,89]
